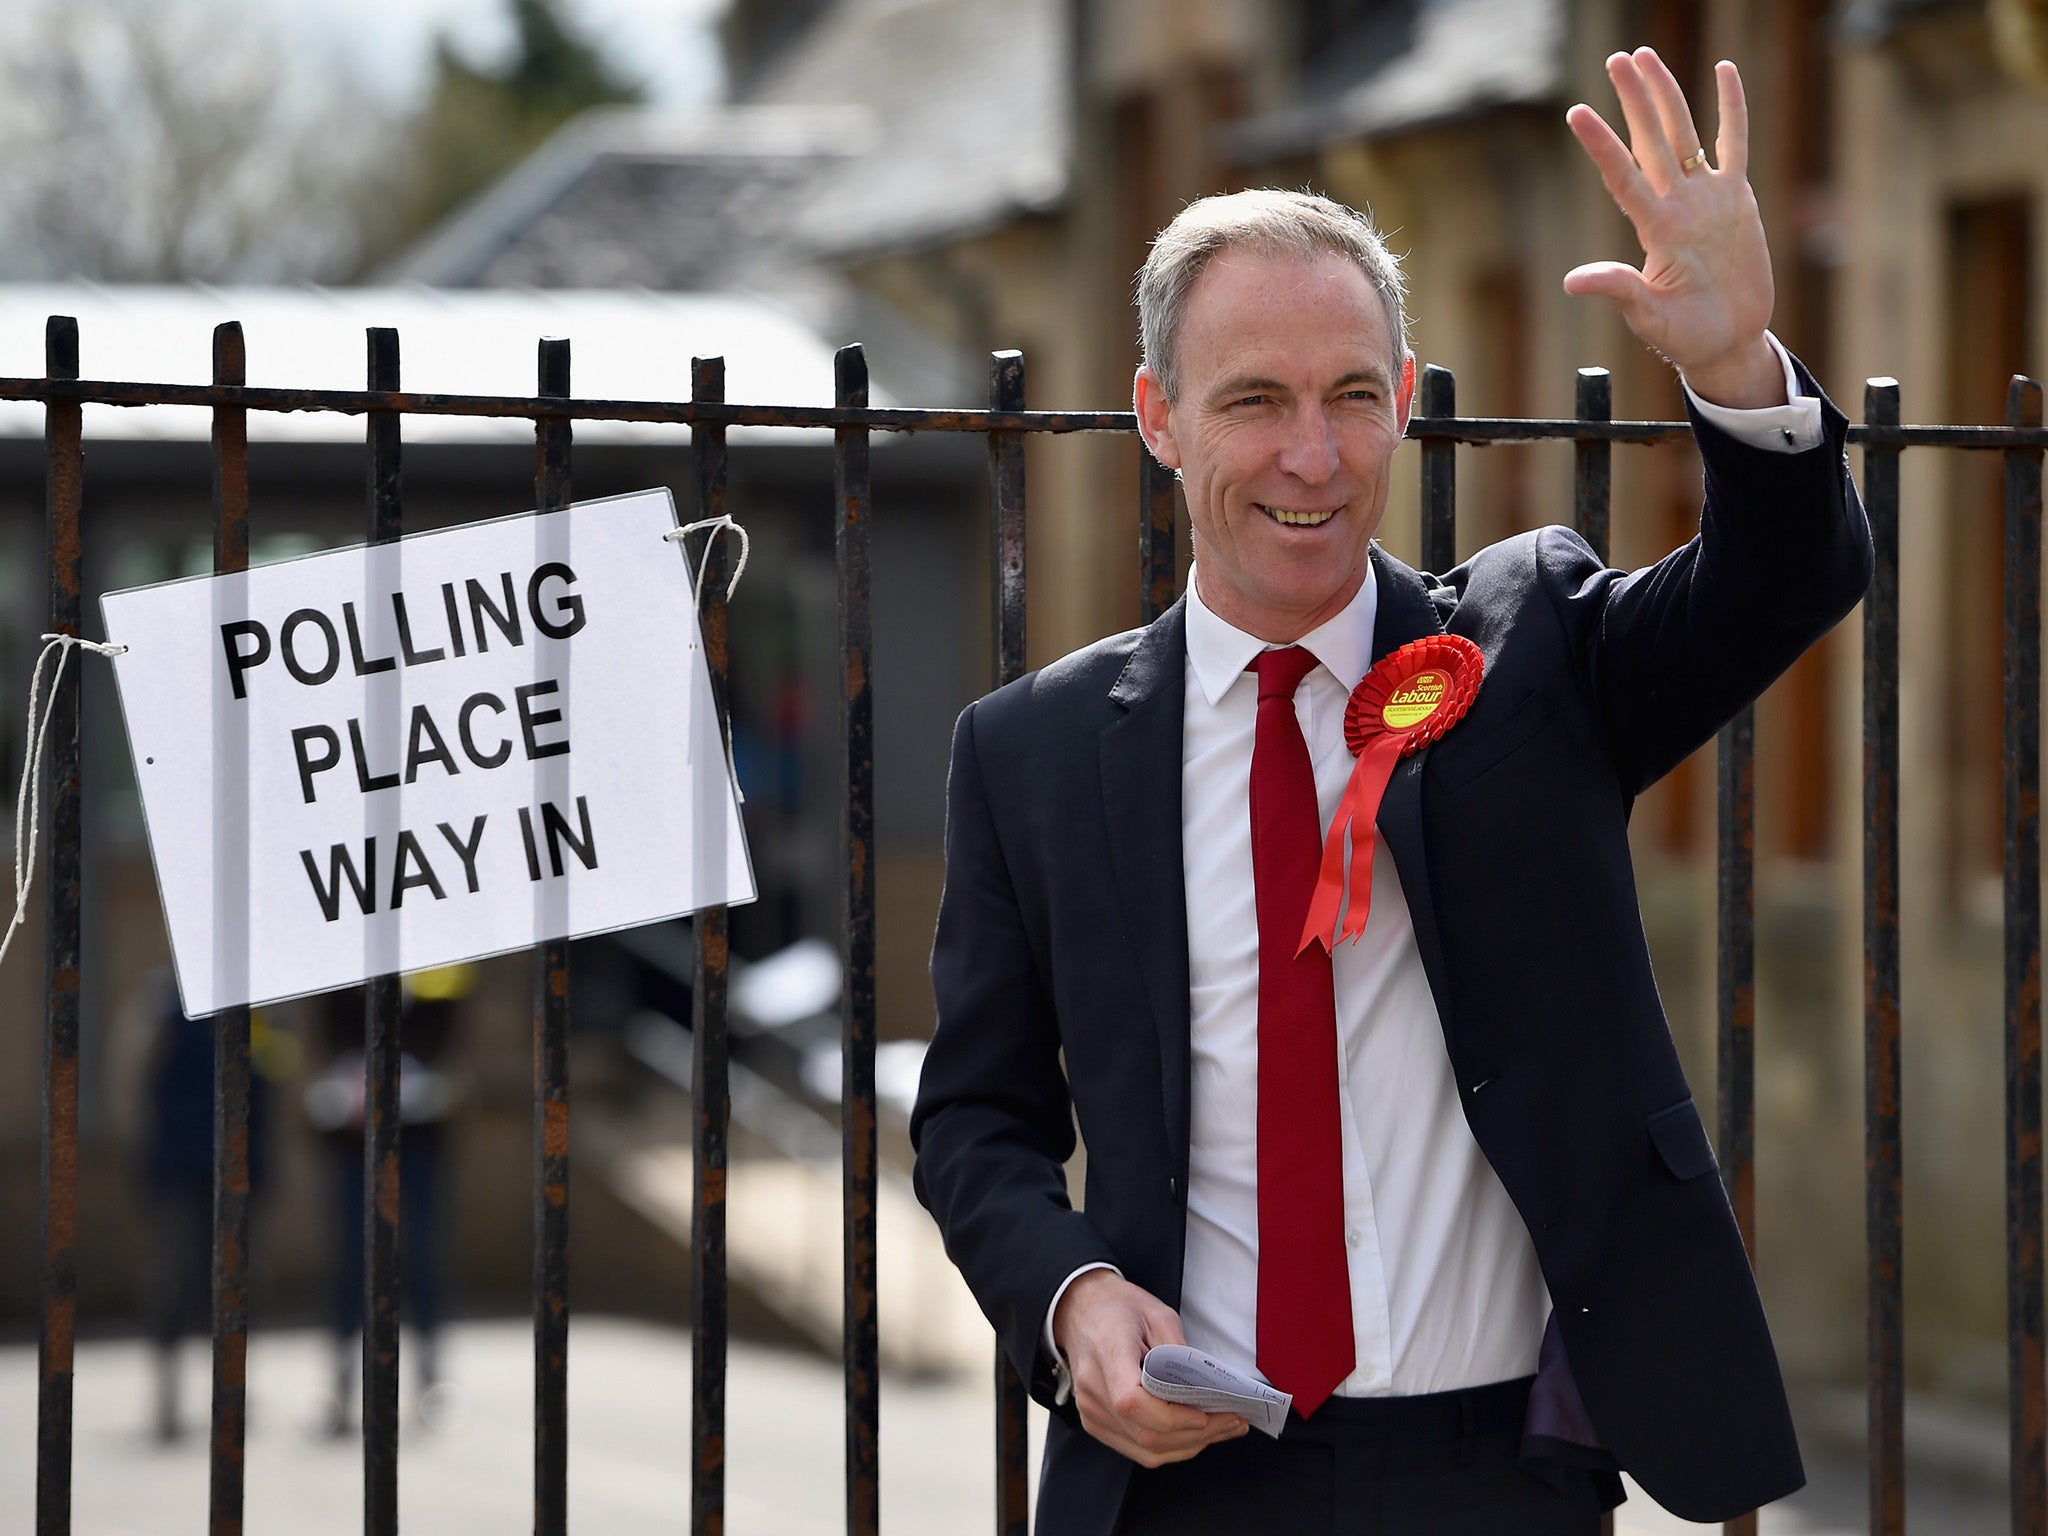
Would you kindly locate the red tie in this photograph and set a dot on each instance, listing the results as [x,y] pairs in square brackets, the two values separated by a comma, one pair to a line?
[1306,1345]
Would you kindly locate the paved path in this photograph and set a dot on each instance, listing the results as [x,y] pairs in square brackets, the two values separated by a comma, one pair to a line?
[629,1388]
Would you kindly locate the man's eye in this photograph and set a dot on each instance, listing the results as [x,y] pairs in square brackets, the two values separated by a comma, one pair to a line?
[1251,399]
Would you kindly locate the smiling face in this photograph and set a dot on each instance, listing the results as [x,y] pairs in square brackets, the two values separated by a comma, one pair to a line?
[1288,414]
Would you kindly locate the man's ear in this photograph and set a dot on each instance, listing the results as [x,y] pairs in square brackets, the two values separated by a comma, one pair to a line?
[1155,417]
[1404,396]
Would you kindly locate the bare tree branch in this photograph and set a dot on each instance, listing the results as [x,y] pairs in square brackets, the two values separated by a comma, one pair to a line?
[154,142]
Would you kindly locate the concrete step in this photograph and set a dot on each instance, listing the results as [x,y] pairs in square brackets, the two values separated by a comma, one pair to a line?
[783,1229]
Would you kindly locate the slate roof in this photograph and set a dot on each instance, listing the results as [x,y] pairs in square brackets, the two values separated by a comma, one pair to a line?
[971,100]
[624,197]
[887,122]
[1408,65]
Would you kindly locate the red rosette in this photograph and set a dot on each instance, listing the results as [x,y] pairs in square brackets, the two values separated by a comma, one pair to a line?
[1415,694]
[1402,705]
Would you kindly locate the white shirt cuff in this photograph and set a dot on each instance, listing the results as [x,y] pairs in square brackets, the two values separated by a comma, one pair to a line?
[1790,428]
[1063,1381]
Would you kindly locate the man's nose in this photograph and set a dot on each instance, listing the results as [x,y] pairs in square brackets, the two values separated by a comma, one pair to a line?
[1310,452]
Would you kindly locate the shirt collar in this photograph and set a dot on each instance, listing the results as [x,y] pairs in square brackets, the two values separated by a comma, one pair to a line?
[1219,651]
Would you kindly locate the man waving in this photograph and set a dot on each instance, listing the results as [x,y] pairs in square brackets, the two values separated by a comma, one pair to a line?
[1437,1173]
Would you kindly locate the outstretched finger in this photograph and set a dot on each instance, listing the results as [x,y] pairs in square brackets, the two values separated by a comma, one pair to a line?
[1673,111]
[1617,167]
[1646,137]
[1731,151]
[1616,281]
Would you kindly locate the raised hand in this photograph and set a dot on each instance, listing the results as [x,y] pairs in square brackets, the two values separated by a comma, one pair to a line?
[1703,295]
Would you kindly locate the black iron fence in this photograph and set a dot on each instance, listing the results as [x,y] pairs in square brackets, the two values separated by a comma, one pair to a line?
[1005,424]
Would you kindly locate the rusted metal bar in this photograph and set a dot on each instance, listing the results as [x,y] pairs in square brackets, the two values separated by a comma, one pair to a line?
[1013,1455]
[1470,429]
[1735,908]
[2023,1216]
[1006,508]
[1592,503]
[551,1086]
[64,498]
[1952,436]
[1592,500]
[1593,461]
[709,1089]
[230,1025]
[381,1053]
[857,1018]
[1006,539]
[673,412]
[1158,559]
[1439,398]
[1884,1240]
[1735,989]
[1517,429]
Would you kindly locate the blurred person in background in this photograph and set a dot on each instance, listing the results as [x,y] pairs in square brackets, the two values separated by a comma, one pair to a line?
[429,1095]
[175,1169]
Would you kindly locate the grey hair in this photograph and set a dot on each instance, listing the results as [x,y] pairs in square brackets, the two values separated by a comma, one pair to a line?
[1269,221]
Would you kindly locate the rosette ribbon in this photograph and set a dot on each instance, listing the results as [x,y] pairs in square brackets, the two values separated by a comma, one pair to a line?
[1402,705]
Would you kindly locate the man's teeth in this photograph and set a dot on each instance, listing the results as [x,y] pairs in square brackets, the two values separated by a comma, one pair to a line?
[1298,519]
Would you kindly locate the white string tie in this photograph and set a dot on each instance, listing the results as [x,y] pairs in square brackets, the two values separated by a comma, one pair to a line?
[28,799]
[723,523]
[717,525]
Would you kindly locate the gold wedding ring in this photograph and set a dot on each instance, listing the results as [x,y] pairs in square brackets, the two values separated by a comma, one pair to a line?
[1693,161]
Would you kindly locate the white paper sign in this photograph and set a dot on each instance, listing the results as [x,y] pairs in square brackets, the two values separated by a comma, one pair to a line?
[403,755]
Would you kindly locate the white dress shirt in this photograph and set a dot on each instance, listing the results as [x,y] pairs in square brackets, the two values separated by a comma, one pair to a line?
[1445,1288]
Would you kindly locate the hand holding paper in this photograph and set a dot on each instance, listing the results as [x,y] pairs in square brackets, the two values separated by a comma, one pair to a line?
[1103,1326]
[1180,1373]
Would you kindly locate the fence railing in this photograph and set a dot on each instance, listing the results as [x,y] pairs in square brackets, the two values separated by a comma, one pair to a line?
[1006,425]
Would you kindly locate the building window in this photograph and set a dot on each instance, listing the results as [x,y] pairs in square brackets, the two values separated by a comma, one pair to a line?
[1990,304]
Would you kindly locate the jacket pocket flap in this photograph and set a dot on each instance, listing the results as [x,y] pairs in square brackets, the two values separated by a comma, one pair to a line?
[1681,1140]
[1458,760]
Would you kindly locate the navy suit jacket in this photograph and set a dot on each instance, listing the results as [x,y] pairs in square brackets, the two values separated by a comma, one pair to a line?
[1062,938]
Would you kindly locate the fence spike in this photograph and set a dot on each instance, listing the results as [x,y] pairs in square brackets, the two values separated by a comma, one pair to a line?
[2023,1186]
[710,1095]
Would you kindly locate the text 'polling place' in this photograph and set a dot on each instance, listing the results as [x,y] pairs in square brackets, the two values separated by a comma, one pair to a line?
[402,755]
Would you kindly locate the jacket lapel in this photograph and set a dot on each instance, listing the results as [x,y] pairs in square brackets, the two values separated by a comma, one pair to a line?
[1408,612]
[1141,797]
